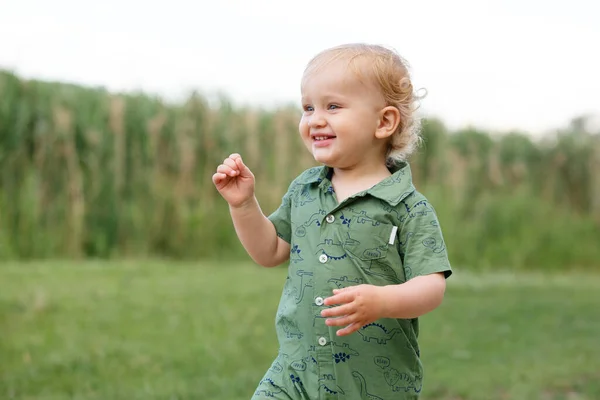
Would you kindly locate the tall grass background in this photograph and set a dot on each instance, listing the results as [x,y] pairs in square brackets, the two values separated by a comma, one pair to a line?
[85,173]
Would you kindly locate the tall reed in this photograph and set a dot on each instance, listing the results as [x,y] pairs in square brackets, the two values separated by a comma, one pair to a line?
[88,173]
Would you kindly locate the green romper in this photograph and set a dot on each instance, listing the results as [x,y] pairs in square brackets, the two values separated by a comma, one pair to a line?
[385,235]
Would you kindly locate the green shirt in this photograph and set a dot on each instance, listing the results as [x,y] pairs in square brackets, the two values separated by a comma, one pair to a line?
[385,235]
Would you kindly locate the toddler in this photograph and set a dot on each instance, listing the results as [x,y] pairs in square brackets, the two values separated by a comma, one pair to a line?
[366,253]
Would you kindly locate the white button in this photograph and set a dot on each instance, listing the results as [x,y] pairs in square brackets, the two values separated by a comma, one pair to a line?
[319,301]
[323,258]
[330,218]
[322,341]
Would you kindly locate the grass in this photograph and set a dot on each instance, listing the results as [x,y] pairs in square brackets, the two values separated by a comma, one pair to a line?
[160,330]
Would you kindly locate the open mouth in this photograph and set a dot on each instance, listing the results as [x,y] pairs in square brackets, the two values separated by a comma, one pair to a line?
[319,138]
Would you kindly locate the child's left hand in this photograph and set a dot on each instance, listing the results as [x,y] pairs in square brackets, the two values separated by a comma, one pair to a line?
[359,305]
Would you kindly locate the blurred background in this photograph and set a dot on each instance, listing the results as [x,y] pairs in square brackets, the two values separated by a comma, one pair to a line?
[122,277]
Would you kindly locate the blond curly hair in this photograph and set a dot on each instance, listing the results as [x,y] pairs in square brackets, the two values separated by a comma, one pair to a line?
[390,73]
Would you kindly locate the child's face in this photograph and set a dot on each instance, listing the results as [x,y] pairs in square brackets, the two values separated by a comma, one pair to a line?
[341,115]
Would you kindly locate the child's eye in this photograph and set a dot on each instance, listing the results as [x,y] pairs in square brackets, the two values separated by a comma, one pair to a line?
[333,106]
[308,108]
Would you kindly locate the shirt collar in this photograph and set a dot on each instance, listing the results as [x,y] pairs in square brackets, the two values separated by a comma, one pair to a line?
[392,189]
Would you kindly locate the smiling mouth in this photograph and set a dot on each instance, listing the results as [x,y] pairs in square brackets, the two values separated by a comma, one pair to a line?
[321,137]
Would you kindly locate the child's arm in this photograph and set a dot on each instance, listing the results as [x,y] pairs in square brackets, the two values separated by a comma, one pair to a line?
[235,182]
[258,235]
[363,304]
[414,298]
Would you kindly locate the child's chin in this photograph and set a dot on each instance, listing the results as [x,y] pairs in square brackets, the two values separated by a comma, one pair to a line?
[321,156]
[322,159]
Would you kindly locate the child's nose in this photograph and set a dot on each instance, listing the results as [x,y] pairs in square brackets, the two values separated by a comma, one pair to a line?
[317,120]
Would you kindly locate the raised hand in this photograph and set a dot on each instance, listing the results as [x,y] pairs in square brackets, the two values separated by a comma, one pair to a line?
[234,181]
[359,306]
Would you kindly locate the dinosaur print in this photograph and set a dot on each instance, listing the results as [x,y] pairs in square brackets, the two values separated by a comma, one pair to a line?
[295,254]
[276,368]
[331,249]
[327,389]
[374,252]
[291,329]
[377,268]
[326,377]
[405,242]
[315,219]
[345,221]
[343,350]
[393,179]
[341,357]
[370,260]
[419,209]
[298,291]
[349,242]
[297,382]
[402,381]
[364,394]
[362,218]
[303,197]
[378,332]
[341,353]
[389,209]
[271,391]
[402,196]
[432,244]
[300,364]
[344,281]
[371,253]
[398,381]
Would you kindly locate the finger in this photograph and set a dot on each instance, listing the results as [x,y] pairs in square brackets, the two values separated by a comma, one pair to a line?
[240,164]
[347,289]
[341,321]
[218,178]
[340,298]
[230,162]
[224,169]
[346,309]
[344,289]
[349,329]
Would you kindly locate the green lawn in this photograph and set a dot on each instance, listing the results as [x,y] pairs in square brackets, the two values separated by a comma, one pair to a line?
[158,330]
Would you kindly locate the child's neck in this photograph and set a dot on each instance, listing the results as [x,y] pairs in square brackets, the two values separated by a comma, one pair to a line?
[350,181]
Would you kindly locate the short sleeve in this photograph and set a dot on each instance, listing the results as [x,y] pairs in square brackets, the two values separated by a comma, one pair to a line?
[421,243]
[281,217]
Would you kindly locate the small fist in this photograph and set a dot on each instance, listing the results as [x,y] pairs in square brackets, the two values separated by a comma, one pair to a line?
[234,181]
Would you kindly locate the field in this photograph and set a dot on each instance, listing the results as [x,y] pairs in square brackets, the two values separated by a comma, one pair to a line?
[163,330]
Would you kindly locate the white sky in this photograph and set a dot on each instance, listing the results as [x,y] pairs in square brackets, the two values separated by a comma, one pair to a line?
[502,64]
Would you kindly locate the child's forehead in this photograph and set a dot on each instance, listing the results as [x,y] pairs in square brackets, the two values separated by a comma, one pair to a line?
[337,76]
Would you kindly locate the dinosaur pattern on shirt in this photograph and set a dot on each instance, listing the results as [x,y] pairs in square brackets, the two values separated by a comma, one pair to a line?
[385,235]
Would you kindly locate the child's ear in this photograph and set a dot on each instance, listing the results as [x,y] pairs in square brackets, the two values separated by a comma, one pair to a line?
[389,119]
